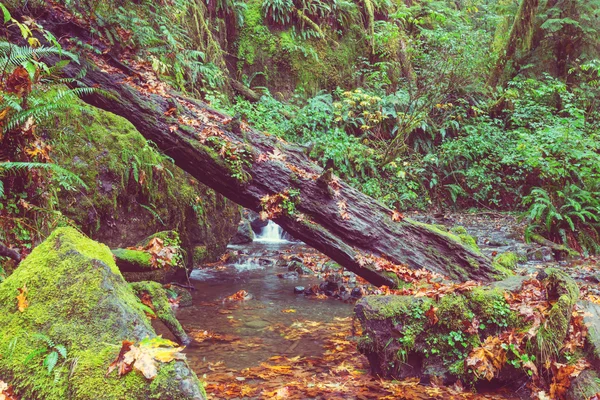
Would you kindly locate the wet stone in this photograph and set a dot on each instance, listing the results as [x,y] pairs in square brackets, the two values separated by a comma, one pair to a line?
[288,275]
[258,324]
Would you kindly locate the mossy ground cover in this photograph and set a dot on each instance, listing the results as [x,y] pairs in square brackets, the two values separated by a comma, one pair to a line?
[78,299]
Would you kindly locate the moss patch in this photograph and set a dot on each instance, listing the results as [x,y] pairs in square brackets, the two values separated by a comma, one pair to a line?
[162,308]
[131,260]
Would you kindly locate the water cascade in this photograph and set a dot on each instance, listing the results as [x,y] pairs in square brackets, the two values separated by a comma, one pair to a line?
[272,233]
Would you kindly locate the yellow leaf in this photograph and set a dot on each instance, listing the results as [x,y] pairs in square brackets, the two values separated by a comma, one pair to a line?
[22,299]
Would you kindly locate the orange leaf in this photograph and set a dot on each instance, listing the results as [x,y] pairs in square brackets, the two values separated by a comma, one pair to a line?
[430,314]
[19,82]
[397,216]
[119,361]
[22,299]
[485,361]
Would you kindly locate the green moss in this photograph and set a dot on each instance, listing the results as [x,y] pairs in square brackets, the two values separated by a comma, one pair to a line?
[459,230]
[553,332]
[464,239]
[452,311]
[492,310]
[162,308]
[507,260]
[200,254]
[91,313]
[136,258]
[383,307]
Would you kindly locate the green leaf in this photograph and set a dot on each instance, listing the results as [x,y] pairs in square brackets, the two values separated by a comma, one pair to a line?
[6,13]
[50,361]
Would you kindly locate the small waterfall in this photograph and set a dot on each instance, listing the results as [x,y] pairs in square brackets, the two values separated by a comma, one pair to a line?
[272,233]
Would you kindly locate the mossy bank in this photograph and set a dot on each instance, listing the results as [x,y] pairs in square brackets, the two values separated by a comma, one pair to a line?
[134,190]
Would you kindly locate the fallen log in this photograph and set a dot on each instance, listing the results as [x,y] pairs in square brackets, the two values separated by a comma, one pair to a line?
[264,173]
[10,253]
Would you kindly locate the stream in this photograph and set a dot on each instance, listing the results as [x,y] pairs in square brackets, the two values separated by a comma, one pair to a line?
[275,337]
[272,302]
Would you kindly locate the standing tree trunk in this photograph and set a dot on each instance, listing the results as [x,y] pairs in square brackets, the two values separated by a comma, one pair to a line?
[520,37]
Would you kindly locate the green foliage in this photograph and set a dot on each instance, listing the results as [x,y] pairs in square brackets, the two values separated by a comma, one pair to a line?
[65,178]
[278,11]
[49,349]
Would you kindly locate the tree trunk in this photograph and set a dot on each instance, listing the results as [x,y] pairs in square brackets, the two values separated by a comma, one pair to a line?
[262,172]
[520,36]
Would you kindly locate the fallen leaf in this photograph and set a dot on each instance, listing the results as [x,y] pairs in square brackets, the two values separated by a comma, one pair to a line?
[22,301]
[289,310]
[430,314]
[485,361]
[397,216]
[144,356]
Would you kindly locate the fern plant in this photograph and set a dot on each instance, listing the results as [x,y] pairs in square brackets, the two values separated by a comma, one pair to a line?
[51,351]
[68,178]
[570,216]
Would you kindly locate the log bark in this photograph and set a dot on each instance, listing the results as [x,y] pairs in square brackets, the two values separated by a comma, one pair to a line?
[10,253]
[246,166]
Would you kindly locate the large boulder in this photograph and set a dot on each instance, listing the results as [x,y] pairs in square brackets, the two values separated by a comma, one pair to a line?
[244,234]
[79,305]
[408,336]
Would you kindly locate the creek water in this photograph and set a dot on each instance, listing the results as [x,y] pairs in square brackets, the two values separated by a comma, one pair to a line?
[234,335]
[255,322]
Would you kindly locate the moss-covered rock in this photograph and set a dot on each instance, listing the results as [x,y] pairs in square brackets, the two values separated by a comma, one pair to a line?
[162,308]
[401,340]
[414,336]
[78,299]
[134,191]
[132,260]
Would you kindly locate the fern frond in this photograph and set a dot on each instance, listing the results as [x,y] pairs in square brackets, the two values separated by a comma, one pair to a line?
[62,350]
[13,167]
[50,361]
[14,55]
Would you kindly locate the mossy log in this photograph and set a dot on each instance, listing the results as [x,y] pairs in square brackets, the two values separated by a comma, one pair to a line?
[344,227]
